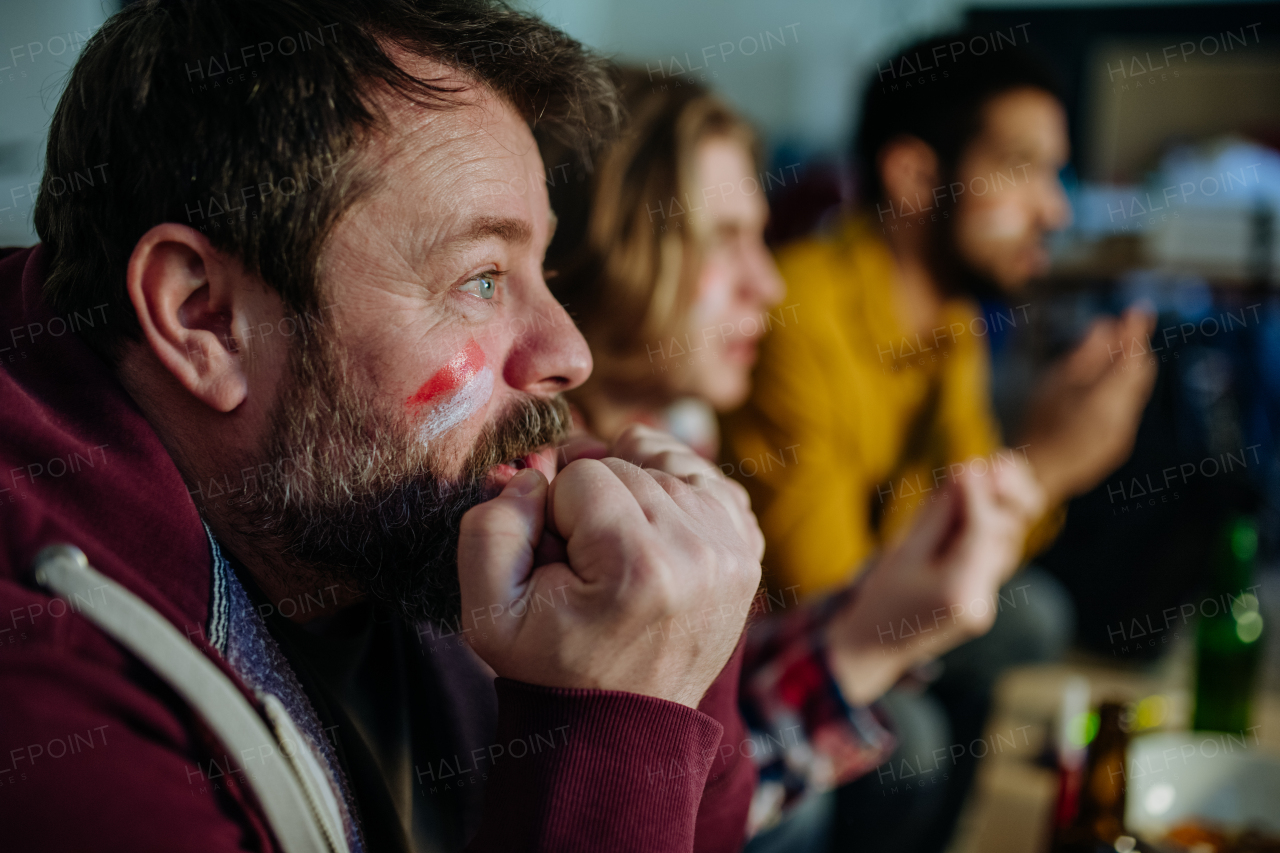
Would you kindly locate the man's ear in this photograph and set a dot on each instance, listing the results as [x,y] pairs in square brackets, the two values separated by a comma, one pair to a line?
[908,169]
[185,295]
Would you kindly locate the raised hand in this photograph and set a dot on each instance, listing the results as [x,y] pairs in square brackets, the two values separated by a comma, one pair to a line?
[1082,422]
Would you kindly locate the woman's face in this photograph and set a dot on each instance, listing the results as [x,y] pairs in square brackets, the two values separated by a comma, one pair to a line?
[737,282]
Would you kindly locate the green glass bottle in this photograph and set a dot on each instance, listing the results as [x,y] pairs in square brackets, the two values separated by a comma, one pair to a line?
[1228,639]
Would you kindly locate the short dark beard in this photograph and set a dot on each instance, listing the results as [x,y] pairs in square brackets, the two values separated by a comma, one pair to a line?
[956,277]
[360,500]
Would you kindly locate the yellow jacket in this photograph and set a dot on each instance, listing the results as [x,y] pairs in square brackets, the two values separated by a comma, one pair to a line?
[851,419]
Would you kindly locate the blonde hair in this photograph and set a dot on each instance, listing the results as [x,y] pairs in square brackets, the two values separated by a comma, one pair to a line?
[626,263]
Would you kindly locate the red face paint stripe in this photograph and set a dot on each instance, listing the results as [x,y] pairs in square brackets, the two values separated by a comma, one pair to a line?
[459,370]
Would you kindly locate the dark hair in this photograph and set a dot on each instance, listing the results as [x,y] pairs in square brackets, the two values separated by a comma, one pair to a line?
[934,92]
[243,118]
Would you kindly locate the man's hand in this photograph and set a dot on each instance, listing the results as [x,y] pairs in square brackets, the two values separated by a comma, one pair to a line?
[663,539]
[1082,422]
[938,584]
[651,449]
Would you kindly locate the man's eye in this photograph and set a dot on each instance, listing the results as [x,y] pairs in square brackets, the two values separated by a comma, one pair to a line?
[484,285]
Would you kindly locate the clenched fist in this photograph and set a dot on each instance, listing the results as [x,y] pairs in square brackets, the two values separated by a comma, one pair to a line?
[616,544]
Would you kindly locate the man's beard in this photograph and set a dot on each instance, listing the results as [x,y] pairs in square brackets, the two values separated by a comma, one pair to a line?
[957,275]
[359,500]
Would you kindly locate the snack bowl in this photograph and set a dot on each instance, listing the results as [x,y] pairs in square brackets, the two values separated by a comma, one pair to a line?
[1209,778]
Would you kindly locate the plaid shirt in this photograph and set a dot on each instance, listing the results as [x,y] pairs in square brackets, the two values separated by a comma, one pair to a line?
[808,739]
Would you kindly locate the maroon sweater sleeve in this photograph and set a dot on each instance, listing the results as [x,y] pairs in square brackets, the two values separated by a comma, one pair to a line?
[722,817]
[626,772]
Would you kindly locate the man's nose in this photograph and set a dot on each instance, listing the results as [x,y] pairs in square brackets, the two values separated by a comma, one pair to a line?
[1055,208]
[548,354]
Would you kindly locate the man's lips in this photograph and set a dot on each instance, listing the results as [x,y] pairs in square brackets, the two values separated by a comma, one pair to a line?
[544,460]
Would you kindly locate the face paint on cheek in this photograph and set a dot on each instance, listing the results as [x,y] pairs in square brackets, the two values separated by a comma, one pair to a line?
[454,393]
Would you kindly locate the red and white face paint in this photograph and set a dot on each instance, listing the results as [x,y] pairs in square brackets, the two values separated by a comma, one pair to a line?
[453,394]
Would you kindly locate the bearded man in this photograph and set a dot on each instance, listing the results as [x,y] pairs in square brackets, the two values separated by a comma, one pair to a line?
[319,324]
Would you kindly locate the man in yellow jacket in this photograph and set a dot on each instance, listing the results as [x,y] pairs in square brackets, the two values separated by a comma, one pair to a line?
[873,385]
[872,391]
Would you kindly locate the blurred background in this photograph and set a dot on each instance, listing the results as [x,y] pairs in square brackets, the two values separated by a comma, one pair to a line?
[1174,181]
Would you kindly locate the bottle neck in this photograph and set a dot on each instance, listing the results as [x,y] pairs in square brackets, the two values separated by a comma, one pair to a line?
[1233,556]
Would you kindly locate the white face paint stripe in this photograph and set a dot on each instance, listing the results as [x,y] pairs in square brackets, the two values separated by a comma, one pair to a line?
[458,406]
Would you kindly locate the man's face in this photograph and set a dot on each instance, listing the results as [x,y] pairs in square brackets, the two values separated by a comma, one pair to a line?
[437,279]
[1012,196]
[440,373]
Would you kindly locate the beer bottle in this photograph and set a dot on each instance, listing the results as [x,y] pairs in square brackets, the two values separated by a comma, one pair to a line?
[1098,822]
[1228,646]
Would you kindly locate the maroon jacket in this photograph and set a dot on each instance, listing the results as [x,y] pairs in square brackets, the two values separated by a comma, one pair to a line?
[96,753]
